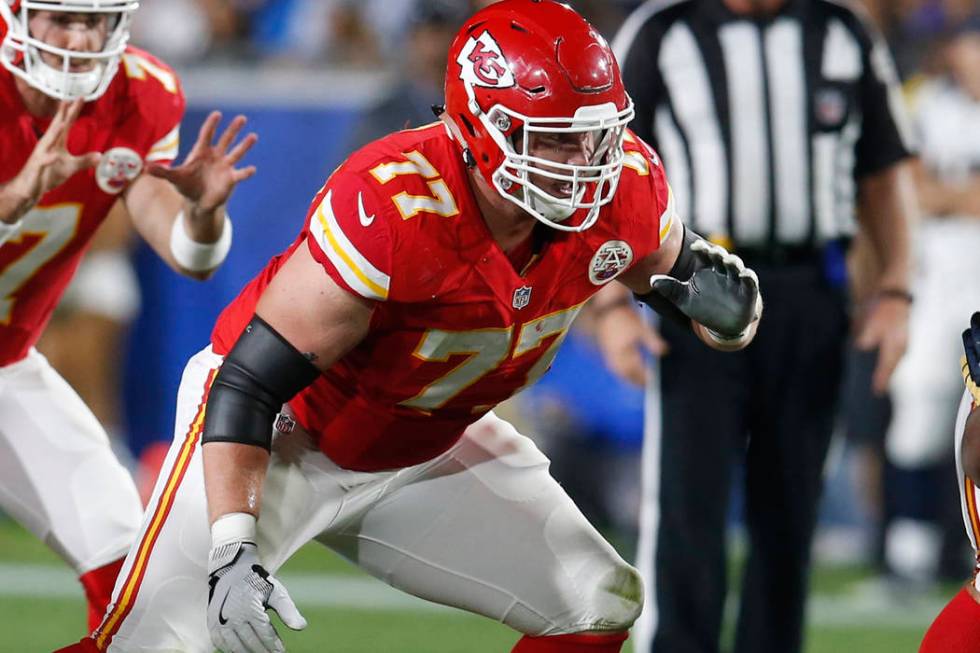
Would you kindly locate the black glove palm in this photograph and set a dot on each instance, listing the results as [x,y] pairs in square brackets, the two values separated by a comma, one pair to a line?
[723,296]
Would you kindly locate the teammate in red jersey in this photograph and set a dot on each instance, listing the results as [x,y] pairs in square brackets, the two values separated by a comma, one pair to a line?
[436,275]
[83,117]
[957,627]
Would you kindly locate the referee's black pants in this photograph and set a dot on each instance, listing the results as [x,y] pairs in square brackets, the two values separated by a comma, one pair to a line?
[773,405]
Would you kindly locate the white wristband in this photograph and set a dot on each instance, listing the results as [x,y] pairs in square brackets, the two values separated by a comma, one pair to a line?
[198,257]
[8,231]
[233,527]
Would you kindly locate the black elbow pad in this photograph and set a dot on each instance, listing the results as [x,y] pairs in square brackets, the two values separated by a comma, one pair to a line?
[261,373]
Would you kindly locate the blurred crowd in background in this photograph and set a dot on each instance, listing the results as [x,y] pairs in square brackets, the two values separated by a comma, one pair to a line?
[368,33]
[891,499]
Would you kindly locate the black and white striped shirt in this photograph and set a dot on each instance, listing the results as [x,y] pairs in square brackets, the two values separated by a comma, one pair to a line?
[764,124]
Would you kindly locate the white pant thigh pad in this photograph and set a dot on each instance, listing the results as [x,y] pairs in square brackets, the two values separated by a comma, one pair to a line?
[485,528]
[58,475]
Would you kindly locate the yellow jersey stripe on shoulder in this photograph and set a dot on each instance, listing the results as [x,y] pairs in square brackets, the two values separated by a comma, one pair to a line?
[667,219]
[166,147]
[356,270]
[968,381]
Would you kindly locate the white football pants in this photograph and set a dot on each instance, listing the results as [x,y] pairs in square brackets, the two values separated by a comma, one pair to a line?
[481,527]
[58,476]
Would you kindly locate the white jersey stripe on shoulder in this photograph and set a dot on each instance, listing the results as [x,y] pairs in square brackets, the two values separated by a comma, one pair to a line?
[667,219]
[841,54]
[356,270]
[165,149]
[686,78]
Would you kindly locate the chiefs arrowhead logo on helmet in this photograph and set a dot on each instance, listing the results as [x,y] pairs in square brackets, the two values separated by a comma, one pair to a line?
[482,63]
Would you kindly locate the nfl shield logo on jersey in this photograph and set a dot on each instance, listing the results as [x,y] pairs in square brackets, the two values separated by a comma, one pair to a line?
[612,258]
[830,105]
[118,167]
[522,297]
[285,423]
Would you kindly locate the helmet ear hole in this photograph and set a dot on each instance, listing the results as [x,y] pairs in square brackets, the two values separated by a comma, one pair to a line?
[468,125]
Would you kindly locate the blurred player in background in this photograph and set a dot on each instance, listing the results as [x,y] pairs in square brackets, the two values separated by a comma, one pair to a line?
[97,307]
[436,275]
[957,627]
[85,118]
[421,73]
[925,388]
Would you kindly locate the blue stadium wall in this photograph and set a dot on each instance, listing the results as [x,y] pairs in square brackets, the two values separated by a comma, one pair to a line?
[297,149]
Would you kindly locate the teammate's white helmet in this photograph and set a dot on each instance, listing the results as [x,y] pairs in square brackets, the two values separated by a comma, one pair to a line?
[20,53]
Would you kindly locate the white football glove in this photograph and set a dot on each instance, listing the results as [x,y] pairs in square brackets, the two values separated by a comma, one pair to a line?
[241,590]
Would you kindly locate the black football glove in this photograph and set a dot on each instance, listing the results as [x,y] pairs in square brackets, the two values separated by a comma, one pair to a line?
[723,296]
[970,363]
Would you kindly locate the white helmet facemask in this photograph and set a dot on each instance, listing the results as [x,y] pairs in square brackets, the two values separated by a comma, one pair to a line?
[590,186]
[21,53]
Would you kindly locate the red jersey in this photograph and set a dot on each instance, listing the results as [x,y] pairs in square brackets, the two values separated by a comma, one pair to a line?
[456,329]
[137,120]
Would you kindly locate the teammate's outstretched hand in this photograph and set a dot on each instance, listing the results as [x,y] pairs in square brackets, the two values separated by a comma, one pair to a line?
[50,163]
[208,175]
[240,592]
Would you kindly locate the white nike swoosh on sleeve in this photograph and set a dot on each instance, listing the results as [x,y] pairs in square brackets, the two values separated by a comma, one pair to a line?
[366,220]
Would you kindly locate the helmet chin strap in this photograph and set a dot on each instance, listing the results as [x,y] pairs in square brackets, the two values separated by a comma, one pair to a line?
[67,83]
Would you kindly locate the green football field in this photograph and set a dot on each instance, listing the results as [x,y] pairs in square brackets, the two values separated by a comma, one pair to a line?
[41,608]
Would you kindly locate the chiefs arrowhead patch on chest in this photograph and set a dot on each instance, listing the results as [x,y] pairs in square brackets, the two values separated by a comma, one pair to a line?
[612,257]
[118,167]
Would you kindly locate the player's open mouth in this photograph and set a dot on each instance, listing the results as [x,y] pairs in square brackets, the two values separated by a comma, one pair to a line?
[75,64]
[80,65]
[562,190]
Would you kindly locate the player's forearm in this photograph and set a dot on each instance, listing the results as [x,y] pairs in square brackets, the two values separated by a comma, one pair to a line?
[160,215]
[15,201]
[888,208]
[203,225]
[234,475]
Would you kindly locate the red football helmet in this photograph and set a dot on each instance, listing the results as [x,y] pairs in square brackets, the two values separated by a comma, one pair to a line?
[521,68]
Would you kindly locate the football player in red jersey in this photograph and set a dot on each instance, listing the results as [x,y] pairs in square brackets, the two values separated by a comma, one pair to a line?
[347,393]
[84,119]
[957,627]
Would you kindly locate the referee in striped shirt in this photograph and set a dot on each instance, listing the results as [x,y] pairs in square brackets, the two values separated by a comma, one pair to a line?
[779,125]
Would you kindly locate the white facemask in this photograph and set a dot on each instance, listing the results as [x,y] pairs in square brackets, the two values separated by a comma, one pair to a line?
[21,53]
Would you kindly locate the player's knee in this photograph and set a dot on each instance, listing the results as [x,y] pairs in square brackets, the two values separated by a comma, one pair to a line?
[616,599]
